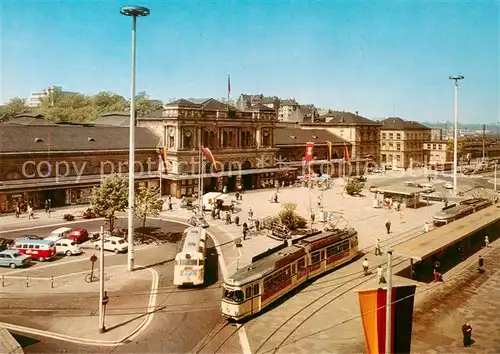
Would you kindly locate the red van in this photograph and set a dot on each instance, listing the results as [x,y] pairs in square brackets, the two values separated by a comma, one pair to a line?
[41,250]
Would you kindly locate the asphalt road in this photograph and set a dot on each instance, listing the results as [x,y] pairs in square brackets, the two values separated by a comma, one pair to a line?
[184,316]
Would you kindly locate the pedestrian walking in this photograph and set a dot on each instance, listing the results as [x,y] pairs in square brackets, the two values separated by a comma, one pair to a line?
[257,225]
[366,265]
[480,264]
[426,227]
[237,220]
[18,211]
[467,333]
[228,218]
[319,202]
[380,275]
[250,213]
[313,217]
[446,202]
[237,195]
[388,227]
[170,206]
[245,231]
[437,275]
[487,241]
[30,213]
[213,213]
[378,251]
[46,206]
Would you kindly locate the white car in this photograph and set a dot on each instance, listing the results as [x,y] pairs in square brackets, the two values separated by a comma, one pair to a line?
[113,243]
[67,247]
[448,185]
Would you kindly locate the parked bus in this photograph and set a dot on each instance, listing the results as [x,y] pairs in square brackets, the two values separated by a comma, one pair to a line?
[41,250]
[189,268]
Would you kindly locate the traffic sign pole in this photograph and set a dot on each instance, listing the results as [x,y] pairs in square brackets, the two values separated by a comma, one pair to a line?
[102,294]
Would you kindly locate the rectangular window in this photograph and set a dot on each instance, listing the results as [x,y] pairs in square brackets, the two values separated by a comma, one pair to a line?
[398,146]
[294,269]
[301,264]
[248,292]
[391,136]
[398,136]
[315,257]
[383,136]
[256,289]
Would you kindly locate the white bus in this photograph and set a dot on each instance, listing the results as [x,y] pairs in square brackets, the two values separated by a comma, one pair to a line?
[189,268]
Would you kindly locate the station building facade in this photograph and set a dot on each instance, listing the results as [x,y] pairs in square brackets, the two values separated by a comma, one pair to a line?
[241,141]
[41,160]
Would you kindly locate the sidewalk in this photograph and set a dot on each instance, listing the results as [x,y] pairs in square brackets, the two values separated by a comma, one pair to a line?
[75,317]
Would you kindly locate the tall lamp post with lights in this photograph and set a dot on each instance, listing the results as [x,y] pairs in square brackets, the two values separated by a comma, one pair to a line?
[134,12]
[455,132]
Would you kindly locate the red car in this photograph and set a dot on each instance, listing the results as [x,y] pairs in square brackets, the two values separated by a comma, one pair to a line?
[78,235]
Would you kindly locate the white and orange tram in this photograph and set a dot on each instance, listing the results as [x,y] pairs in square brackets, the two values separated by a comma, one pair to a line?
[277,271]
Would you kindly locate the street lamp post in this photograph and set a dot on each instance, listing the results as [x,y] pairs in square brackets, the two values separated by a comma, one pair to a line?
[455,133]
[134,12]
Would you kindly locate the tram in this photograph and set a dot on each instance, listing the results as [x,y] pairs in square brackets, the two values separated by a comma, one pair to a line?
[464,208]
[277,271]
[189,268]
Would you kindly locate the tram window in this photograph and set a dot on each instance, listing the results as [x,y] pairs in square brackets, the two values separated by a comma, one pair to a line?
[248,292]
[256,289]
[315,257]
[233,295]
[301,264]
[330,251]
[323,254]
[294,269]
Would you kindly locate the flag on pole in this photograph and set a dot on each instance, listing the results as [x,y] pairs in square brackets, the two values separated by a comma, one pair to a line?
[206,151]
[163,156]
[309,152]
[372,303]
[346,155]
[329,150]
[228,85]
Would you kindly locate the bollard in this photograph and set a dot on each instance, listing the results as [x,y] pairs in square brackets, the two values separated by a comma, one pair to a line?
[3,283]
[52,282]
[27,282]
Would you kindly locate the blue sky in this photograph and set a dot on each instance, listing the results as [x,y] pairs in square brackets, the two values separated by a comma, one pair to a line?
[379,58]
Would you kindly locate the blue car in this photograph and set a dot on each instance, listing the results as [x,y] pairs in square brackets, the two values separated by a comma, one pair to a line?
[13,259]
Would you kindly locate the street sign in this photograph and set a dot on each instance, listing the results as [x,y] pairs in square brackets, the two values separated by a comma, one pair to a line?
[93,258]
[105,300]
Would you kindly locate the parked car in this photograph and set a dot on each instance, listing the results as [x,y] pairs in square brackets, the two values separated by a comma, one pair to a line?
[448,185]
[59,233]
[412,184]
[361,178]
[13,259]
[113,243]
[198,220]
[67,247]
[78,235]
[30,237]
[429,187]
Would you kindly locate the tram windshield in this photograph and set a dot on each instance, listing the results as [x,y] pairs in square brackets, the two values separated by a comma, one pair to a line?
[233,295]
[188,262]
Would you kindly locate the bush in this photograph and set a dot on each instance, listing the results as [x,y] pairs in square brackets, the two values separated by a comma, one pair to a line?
[290,218]
[353,187]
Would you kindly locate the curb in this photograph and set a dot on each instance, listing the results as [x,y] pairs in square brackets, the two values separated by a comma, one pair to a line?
[142,326]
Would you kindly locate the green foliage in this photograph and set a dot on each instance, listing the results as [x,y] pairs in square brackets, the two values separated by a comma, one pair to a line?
[14,107]
[61,106]
[460,148]
[147,202]
[289,217]
[109,197]
[353,187]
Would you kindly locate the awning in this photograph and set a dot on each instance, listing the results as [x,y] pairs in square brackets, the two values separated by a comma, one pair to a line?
[227,173]
[75,181]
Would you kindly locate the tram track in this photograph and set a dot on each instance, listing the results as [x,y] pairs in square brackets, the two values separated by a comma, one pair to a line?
[310,315]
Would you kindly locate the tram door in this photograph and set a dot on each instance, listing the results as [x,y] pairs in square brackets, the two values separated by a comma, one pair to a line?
[256,298]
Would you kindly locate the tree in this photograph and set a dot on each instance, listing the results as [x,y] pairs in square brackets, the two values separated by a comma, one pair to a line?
[460,148]
[144,105]
[67,107]
[353,187]
[290,218]
[147,202]
[106,102]
[109,197]
[14,107]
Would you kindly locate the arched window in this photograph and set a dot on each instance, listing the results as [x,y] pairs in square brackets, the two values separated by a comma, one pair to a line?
[231,139]
[224,139]
[211,142]
[243,139]
[248,139]
[205,138]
